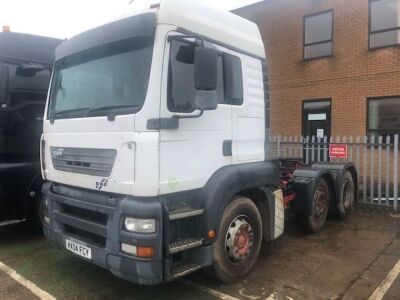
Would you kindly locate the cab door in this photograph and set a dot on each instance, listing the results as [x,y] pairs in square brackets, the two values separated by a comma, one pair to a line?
[191,153]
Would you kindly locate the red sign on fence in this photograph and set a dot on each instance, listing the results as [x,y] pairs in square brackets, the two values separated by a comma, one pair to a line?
[338,151]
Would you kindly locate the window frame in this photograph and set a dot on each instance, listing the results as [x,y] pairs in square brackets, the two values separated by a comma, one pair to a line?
[321,42]
[369,99]
[370,32]
[169,72]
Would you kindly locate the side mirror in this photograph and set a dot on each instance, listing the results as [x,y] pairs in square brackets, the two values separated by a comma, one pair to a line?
[205,77]
[29,70]
[4,82]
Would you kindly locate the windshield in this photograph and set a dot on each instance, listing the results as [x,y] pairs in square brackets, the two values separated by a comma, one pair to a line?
[111,78]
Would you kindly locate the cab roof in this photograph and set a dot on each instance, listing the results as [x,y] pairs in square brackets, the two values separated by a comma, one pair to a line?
[222,26]
[211,22]
[190,15]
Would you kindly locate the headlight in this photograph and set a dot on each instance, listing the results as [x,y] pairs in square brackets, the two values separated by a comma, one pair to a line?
[140,225]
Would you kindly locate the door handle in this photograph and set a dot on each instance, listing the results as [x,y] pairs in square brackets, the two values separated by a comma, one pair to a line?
[227,148]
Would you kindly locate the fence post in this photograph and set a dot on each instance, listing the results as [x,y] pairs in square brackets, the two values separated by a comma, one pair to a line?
[301,153]
[325,148]
[395,174]
[306,142]
[358,154]
[371,174]
[387,169]
[284,146]
[273,146]
[343,141]
[351,147]
[312,149]
[365,169]
[380,169]
[279,147]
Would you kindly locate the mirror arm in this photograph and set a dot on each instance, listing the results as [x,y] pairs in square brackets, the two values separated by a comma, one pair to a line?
[183,38]
[168,123]
[190,116]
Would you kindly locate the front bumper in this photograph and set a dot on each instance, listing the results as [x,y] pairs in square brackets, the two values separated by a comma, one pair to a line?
[95,220]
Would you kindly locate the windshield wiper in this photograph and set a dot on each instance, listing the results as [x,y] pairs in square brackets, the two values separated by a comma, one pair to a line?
[112,111]
[63,113]
[109,111]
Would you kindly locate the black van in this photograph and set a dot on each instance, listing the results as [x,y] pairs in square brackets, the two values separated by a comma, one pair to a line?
[25,69]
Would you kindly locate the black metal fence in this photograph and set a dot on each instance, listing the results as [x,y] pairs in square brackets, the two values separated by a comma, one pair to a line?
[376,159]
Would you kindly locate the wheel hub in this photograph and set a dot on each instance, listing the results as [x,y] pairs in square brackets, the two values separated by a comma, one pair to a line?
[321,203]
[347,197]
[239,239]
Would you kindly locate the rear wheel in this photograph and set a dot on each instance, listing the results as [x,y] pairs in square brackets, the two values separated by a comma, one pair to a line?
[239,240]
[345,205]
[320,207]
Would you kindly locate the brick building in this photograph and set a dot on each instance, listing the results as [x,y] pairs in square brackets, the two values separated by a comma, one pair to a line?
[334,65]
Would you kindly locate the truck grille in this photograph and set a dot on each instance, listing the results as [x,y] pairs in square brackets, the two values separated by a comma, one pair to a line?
[85,214]
[85,236]
[95,162]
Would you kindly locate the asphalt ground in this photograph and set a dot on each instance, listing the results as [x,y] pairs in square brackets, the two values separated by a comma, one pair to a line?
[347,260]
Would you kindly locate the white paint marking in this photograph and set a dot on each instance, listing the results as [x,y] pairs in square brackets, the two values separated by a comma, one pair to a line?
[386,283]
[272,296]
[242,292]
[215,293]
[26,283]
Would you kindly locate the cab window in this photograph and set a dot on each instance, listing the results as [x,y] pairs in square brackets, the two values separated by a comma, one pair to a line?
[181,88]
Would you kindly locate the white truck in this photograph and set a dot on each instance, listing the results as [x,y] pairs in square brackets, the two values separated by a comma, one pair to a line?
[155,148]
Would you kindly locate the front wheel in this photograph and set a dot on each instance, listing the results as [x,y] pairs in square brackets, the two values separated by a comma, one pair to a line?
[320,207]
[239,240]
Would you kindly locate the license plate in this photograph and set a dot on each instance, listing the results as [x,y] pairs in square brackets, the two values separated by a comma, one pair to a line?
[79,249]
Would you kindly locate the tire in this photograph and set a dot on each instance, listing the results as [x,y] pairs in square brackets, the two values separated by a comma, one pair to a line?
[346,200]
[320,207]
[34,217]
[241,230]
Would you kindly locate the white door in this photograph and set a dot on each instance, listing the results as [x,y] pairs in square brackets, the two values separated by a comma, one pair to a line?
[248,116]
[190,154]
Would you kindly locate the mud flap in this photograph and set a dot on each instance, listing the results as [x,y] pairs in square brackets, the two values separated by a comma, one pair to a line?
[279,214]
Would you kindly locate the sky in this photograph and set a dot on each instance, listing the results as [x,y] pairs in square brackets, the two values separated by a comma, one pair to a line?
[66,18]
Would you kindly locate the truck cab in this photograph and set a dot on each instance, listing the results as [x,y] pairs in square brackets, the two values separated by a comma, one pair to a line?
[155,145]
[25,68]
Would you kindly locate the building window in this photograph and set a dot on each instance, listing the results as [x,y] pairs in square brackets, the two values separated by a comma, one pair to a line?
[318,35]
[181,87]
[384,23]
[383,116]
